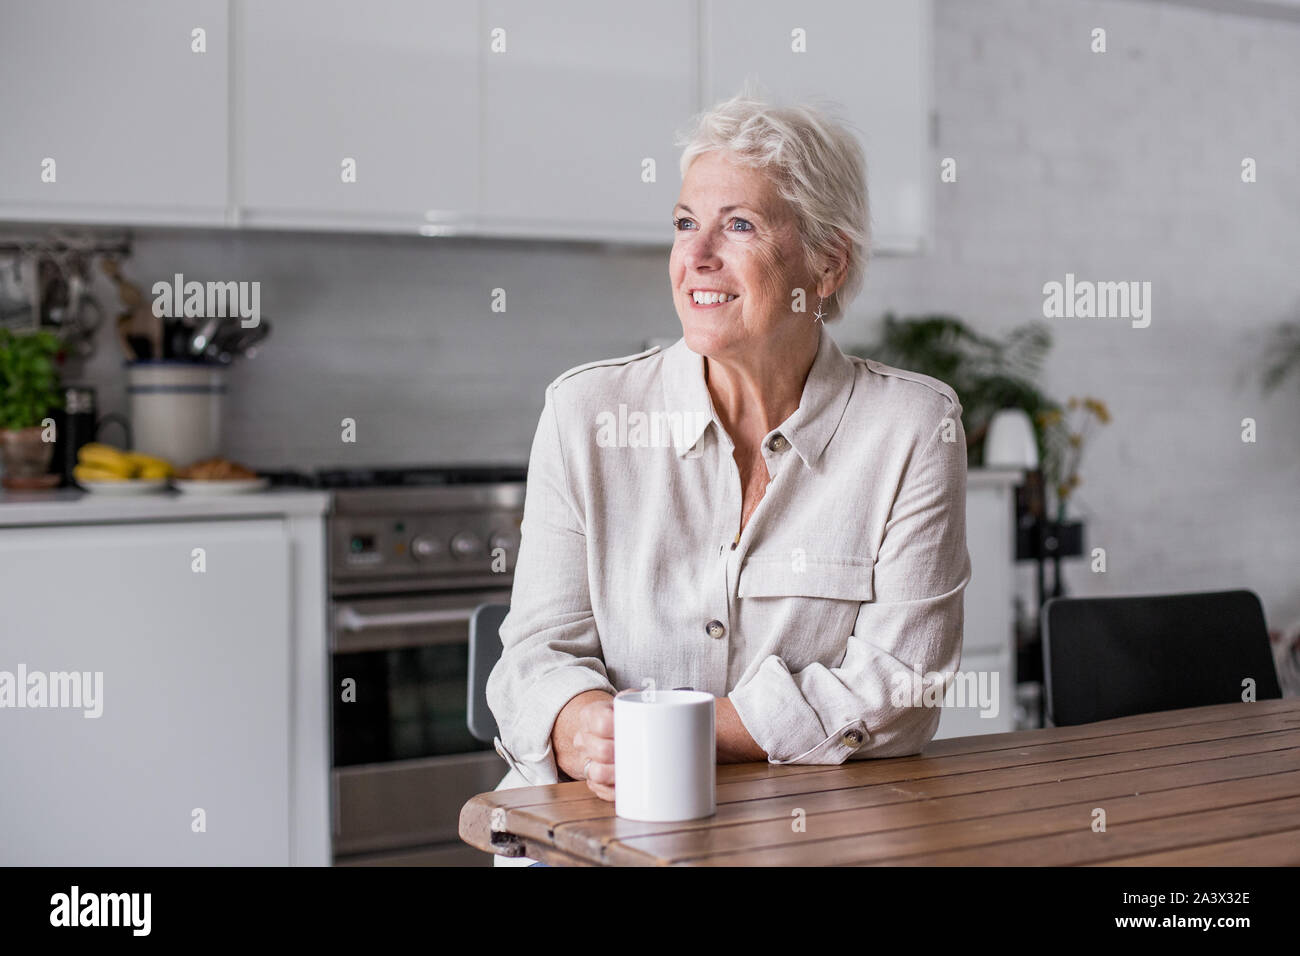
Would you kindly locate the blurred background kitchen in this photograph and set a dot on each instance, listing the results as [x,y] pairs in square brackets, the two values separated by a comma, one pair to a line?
[509,217]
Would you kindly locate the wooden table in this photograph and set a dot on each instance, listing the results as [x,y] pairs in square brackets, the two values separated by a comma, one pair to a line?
[1205,786]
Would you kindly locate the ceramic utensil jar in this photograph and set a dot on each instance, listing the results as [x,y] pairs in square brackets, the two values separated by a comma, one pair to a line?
[176,409]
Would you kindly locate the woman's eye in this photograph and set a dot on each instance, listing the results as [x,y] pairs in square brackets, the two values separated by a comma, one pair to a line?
[745,222]
[681,223]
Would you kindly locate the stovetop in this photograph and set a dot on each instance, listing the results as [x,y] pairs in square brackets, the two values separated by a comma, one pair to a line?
[399,476]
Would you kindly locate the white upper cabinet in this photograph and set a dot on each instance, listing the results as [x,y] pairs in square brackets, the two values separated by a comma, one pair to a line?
[386,87]
[114,100]
[552,119]
[583,95]
[870,57]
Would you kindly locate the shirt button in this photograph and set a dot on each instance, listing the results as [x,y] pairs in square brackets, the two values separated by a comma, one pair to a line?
[777,443]
[853,738]
[714,629]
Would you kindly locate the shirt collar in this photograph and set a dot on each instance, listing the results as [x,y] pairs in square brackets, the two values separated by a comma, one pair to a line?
[809,430]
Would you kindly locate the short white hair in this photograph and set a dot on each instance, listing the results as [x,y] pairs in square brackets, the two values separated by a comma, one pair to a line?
[816,164]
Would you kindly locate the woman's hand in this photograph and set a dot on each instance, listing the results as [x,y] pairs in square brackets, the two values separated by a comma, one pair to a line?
[585,728]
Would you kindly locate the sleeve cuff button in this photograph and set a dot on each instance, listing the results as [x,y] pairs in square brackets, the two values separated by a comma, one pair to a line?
[853,738]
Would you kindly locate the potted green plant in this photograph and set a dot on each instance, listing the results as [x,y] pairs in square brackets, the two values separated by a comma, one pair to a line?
[29,390]
[988,374]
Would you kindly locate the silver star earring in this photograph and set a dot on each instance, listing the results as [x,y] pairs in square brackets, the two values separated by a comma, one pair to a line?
[819,314]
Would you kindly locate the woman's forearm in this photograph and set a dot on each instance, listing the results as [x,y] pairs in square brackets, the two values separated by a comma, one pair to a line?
[735,745]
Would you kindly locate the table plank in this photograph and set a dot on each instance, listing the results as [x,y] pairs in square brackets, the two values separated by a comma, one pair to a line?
[1270,849]
[1181,830]
[1016,797]
[1106,728]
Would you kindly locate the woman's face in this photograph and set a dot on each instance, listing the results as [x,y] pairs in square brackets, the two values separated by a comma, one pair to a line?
[736,234]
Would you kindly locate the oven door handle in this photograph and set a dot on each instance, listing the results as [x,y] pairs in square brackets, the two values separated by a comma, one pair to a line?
[355,631]
[350,619]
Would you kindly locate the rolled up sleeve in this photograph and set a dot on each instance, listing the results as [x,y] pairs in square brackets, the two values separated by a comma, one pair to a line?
[551,650]
[867,706]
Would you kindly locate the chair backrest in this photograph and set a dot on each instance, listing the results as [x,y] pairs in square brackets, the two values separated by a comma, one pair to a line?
[1112,657]
[484,652]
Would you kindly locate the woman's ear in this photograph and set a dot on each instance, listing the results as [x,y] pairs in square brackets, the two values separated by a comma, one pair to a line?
[834,267]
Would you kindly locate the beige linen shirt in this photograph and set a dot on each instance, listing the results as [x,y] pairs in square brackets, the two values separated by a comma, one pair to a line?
[847,580]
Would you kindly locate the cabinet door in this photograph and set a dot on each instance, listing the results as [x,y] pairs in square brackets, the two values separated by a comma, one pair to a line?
[133,118]
[584,92]
[872,59]
[390,84]
[987,706]
[195,695]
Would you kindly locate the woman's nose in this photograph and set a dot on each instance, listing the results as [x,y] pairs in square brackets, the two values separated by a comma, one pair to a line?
[703,251]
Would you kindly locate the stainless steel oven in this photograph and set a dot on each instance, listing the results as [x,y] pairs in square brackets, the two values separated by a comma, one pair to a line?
[408,566]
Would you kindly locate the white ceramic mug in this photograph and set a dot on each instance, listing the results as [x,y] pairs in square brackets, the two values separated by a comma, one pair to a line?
[665,755]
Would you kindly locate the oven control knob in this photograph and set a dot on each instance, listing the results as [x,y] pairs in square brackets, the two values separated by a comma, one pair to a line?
[505,540]
[424,547]
[466,545]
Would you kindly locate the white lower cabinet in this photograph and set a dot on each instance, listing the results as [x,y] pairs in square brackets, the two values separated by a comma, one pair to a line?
[988,659]
[183,756]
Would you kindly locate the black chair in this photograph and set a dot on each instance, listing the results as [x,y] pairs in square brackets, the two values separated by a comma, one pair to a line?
[484,652]
[1112,657]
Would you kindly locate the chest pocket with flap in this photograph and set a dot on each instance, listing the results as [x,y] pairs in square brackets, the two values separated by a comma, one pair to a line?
[841,578]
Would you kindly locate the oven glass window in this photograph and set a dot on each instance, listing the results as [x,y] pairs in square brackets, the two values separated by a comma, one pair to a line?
[410,703]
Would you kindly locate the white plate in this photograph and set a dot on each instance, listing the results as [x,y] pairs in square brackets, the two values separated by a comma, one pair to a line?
[210,486]
[130,486]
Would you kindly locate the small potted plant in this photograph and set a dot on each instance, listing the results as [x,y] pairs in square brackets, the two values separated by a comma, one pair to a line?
[1066,437]
[29,390]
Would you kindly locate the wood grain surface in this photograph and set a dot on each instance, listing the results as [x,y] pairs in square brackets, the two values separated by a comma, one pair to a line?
[1204,786]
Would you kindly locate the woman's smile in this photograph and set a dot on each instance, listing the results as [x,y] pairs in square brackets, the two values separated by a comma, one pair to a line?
[709,298]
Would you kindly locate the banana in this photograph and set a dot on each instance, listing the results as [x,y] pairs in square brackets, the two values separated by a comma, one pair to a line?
[149,466]
[106,458]
[91,473]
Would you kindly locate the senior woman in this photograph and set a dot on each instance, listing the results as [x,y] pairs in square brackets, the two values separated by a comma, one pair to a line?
[786,529]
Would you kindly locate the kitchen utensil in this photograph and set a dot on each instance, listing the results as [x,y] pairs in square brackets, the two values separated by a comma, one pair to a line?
[204,335]
[176,339]
[246,344]
[239,343]
[85,313]
[138,328]
[54,293]
[219,344]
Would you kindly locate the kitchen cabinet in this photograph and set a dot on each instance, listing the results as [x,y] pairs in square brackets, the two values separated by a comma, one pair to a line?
[133,119]
[873,59]
[211,742]
[988,636]
[585,93]
[499,118]
[390,85]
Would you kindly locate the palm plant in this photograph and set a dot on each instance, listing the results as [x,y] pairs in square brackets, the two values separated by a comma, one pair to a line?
[988,374]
